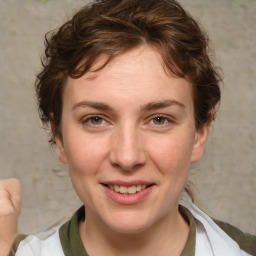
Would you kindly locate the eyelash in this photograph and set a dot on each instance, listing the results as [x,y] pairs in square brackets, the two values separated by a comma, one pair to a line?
[88,120]
[167,120]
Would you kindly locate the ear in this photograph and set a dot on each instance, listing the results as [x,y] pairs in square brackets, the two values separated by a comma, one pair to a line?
[59,143]
[199,143]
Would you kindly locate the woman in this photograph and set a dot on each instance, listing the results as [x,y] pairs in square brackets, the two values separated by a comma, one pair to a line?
[129,91]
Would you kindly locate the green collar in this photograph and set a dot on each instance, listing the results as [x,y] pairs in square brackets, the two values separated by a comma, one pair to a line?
[69,236]
[189,249]
[72,244]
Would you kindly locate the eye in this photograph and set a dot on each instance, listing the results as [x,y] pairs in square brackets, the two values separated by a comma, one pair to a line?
[160,120]
[94,121]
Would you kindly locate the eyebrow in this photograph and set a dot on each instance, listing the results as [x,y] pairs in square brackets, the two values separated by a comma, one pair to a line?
[92,104]
[147,107]
[161,104]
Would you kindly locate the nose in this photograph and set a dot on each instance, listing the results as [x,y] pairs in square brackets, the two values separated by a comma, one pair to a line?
[127,151]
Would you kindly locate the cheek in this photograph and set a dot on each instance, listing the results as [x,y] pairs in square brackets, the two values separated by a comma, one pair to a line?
[86,160]
[172,155]
[85,154]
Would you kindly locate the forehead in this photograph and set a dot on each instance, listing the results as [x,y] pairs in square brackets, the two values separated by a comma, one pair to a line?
[139,61]
[137,74]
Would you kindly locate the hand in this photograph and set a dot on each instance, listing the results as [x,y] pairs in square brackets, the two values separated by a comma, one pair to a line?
[10,205]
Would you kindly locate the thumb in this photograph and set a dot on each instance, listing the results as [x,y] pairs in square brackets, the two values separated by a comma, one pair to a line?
[10,205]
[10,197]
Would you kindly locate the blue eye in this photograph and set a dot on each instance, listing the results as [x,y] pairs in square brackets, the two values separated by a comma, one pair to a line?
[160,120]
[94,120]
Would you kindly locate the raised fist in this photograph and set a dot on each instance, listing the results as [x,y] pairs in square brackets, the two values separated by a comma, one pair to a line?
[10,205]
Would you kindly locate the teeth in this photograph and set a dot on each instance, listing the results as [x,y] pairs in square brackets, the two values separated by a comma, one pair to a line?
[116,188]
[132,189]
[123,190]
[127,190]
[139,187]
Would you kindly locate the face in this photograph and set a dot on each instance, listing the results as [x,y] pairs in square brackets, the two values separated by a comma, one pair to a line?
[128,137]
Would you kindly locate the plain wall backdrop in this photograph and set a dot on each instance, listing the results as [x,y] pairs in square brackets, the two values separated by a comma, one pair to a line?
[224,179]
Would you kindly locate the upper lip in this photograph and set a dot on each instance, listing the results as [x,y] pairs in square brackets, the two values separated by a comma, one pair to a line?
[127,183]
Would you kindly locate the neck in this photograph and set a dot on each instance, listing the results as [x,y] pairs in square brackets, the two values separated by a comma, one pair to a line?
[166,237]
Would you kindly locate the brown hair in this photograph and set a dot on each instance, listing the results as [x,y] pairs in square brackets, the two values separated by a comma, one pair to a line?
[114,26]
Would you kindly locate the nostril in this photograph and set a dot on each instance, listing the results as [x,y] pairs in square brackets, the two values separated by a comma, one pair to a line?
[127,157]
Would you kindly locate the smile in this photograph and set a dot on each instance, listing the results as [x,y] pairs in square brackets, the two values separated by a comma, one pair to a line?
[127,190]
[128,193]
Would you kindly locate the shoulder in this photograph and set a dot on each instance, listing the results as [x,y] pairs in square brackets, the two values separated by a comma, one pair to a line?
[246,241]
[220,238]
[43,244]
[16,242]
[58,241]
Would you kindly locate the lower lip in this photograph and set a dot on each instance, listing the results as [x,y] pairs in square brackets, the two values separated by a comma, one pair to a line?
[128,199]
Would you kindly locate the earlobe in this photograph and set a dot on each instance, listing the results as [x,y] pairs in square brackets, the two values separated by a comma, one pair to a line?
[62,154]
[59,143]
[199,142]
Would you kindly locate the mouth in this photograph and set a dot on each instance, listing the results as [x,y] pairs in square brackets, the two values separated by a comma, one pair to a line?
[127,189]
[128,193]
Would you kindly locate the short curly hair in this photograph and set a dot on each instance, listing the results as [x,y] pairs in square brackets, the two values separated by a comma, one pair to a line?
[111,27]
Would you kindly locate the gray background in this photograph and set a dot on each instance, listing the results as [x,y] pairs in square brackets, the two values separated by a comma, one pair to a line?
[225,180]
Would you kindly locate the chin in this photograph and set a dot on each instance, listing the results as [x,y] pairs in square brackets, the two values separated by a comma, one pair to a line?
[125,228]
[129,223]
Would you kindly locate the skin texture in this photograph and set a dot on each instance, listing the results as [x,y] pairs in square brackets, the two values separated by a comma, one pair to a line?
[113,129]
[10,204]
